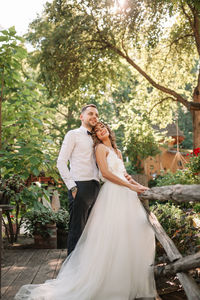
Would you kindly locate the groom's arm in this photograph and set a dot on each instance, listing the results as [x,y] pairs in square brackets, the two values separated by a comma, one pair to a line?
[63,157]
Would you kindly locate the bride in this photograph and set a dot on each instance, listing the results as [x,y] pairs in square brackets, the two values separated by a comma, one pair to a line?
[114,257]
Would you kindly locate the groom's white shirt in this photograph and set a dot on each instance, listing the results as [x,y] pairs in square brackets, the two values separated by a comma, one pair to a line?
[77,148]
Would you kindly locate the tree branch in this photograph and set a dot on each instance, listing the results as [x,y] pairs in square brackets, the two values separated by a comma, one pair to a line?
[161,101]
[194,25]
[65,115]
[190,105]
[187,16]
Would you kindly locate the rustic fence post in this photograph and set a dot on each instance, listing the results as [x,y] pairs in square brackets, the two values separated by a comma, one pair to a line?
[0,245]
[191,289]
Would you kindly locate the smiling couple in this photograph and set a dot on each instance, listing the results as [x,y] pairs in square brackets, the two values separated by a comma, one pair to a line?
[111,245]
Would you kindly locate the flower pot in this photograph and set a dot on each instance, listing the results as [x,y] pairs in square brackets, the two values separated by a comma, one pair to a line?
[61,238]
[49,242]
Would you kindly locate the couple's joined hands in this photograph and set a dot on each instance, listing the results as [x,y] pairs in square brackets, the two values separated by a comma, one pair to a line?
[138,188]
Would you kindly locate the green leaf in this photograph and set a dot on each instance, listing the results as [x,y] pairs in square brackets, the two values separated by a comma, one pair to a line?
[35,171]
[3,38]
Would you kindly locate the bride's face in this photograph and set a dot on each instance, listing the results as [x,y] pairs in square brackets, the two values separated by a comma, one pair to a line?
[101,131]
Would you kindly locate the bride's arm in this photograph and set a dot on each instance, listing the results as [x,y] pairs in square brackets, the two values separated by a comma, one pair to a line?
[101,154]
[129,177]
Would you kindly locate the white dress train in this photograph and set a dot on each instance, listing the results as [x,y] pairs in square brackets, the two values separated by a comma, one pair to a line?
[114,257]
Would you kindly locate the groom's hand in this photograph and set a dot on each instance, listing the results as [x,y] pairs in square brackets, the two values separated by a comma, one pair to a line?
[74,194]
[74,191]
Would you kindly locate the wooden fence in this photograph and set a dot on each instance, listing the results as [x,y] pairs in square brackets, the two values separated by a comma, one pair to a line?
[178,265]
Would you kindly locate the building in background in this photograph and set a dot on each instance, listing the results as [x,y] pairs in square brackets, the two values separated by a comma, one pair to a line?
[170,158]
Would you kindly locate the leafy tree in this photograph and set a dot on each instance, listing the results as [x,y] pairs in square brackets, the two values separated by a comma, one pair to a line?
[24,121]
[81,43]
[185,124]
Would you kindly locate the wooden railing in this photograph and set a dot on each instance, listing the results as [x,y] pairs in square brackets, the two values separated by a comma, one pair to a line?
[0,245]
[178,265]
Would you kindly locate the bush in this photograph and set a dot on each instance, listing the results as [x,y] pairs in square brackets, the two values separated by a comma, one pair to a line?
[36,220]
[62,219]
[178,224]
[130,168]
[179,177]
[194,163]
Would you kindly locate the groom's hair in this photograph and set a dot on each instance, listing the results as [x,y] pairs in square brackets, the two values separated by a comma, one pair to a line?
[86,106]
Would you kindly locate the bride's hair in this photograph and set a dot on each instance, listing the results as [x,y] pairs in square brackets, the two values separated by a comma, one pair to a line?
[97,141]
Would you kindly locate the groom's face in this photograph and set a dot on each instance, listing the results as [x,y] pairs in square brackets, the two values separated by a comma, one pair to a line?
[90,117]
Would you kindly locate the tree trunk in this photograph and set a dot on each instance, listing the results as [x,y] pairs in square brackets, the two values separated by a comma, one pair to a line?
[178,193]
[1,100]
[196,119]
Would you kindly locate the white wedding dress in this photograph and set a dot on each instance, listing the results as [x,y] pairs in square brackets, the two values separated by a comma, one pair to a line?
[114,257]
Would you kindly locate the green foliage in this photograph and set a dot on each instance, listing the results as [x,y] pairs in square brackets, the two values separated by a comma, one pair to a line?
[25,125]
[197,207]
[130,168]
[185,124]
[194,163]
[25,159]
[62,219]
[178,224]
[10,189]
[30,195]
[179,177]
[36,220]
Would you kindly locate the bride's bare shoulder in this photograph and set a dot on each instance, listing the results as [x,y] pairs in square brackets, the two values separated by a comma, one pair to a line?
[101,148]
[119,154]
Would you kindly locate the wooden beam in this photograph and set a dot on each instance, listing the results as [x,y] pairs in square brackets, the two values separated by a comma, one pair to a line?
[181,265]
[164,239]
[1,245]
[191,288]
[178,193]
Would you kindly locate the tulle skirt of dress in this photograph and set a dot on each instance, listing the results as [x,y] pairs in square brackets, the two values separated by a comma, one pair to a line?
[113,259]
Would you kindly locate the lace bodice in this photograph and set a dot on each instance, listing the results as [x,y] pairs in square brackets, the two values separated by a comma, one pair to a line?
[115,165]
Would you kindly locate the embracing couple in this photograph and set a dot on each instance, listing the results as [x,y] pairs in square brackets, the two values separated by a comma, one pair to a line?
[111,245]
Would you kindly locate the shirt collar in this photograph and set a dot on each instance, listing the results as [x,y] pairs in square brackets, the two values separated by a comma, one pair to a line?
[82,128]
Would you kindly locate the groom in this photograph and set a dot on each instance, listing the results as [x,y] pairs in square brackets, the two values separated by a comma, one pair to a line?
[82,178]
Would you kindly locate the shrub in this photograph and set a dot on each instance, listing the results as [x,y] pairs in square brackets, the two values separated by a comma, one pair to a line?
[178,224]
[194,163]
[179,177]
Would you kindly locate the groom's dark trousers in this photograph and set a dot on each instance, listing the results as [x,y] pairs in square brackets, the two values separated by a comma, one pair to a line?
[79,209]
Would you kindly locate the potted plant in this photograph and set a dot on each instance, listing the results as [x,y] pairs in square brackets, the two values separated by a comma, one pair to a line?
[41,223]
[62,223]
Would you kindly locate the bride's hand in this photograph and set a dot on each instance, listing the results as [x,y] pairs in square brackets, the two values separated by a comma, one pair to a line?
[138,189]
[145,188]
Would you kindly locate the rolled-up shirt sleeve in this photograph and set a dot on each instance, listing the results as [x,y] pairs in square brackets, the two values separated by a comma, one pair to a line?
[63,157]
